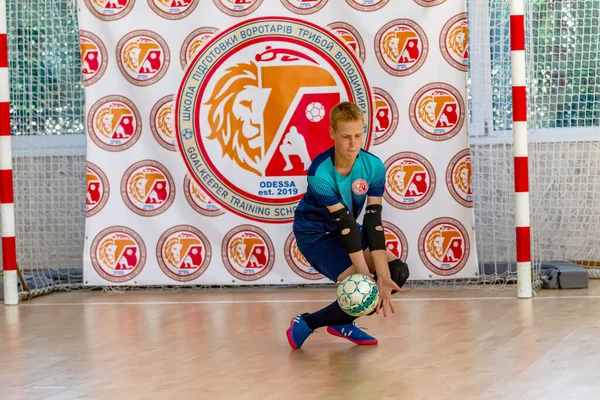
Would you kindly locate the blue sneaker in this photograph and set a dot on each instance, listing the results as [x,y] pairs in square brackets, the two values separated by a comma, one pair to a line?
[352,333]
[298,332]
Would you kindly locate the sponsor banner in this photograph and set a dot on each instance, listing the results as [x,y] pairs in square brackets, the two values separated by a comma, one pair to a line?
[204,117]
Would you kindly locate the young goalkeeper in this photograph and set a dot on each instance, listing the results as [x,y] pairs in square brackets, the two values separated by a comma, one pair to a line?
[340,180]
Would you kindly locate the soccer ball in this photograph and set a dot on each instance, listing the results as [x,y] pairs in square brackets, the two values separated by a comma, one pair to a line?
[315,111]
[358,295]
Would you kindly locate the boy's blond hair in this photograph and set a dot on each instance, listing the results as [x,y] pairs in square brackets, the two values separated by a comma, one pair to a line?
[345,111]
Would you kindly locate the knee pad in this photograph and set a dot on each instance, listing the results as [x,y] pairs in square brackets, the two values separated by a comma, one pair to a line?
[399,272]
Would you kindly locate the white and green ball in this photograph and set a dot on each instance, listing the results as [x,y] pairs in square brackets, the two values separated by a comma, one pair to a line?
[358,295]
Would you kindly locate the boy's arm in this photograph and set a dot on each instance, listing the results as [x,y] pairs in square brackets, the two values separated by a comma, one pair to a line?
[350,234]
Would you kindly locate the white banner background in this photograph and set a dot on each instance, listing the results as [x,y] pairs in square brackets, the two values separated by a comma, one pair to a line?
[121,245]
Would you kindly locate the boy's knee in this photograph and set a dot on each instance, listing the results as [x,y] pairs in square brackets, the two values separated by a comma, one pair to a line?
[399,272]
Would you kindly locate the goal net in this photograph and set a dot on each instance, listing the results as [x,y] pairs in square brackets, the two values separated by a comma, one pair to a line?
[563,76]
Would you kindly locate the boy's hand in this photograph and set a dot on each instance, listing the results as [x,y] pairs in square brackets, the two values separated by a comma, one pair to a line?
[386,285]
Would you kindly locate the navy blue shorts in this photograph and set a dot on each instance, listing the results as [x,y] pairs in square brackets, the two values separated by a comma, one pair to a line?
[326,253]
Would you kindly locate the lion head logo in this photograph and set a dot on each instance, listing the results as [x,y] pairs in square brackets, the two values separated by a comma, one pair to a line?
[458,40]
[426,111]
[435,245]
[299,256]
[164,121]
[396,179]
[462,176]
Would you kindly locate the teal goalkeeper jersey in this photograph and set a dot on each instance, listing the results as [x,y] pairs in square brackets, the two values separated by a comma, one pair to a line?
[327,187]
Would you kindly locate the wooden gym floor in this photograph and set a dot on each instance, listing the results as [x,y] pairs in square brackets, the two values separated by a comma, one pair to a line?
[441,344]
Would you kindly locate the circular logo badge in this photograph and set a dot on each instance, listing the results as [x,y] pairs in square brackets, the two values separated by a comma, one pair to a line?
[161,123]
[109,10]
[437,111]
[360,187]
[118,254]
[193,43]
[297,262]
[94,57]
[292,71]
[248,253]
[199,200]
[401,47]
[395,240]
[173,9]
[114,123]
[444,246]
[143,57]
[367,5]
[386,116]
[304,7]
[350,35]
[458,178]
[97,190]
[410,181]
[147,188]
[183,253]
[238,8]
[429,3]
[454,42]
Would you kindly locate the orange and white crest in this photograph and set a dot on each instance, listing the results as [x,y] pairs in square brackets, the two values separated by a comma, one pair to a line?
[395,240]
[238,8]
[144,57]
[118,254]
[385,116]
[351,36]
[444,246]
[367,5]
[410,181]
[260,114]
[147,188]
[110,10]
[304,7]
[193,43]
[199,200]
[161,123]
[401,47]
[429,3]
[183,253]
[94,58]
[173,9]
[297,262]
[459,175]
[437,111]
[454,42]
[97,190]
[248,253]
[114,123]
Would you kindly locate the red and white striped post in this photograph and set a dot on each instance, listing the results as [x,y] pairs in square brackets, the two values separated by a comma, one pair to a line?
[520,141]
[7,208]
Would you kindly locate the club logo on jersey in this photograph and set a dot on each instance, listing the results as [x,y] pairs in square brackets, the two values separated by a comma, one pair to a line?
[147,188]
[458,178]
[199,200]
[97,190]
[444,246]
[114,123]
[350,35]
[454,42]
[109,10]
[360,187]
[429,3]
[173,9]
[437,111]
[401,47]
[143,57]
[248,253]
[161,123]
[410,181]
[252,109]
[118,254]
[94,57]
[193,43]
[238,8]
[304,7]
[367,5]
[297,262]
[395,240]
[183,253]
[386,116]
